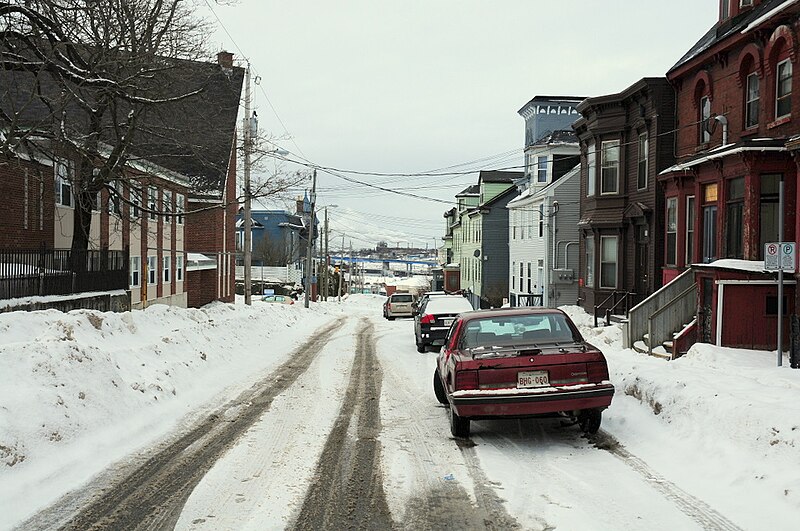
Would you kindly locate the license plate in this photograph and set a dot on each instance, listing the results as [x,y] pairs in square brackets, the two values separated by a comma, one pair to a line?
[529,379]
[447,322]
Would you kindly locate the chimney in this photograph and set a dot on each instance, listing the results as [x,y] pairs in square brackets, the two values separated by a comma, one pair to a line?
[299,206]
[225,59]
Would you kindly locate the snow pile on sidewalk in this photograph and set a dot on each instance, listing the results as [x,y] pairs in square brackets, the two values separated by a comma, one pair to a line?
[729,416]
[81,390]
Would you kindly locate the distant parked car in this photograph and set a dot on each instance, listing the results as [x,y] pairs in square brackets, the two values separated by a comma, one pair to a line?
[399,305]
[520,362]
[280,299]
[433,319]
[427,295]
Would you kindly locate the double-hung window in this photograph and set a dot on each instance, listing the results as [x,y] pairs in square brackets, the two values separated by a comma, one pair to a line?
[608,261]
[589,240]
[167,261]
[609,173]
[136,271]
[135,202]
[591,176]
[689,230]
[705,118]
[114,198]
[541,220]
[734,224]
[751,101]
[152,270]
[783,89]
[672,231]
[541,169]
[166,197]
[179,268]
[152,201]
[65,174]
[180,208]
[642,168]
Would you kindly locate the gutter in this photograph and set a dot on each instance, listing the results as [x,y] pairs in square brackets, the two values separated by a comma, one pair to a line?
[768,15]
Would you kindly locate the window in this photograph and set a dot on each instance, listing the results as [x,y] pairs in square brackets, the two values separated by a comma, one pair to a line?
[541,169]
[513,275]
[689,230]
[65,173]
[608,261]
[609,173]
[672,231]
[751,101]
[590,260]
[136,269]
[530,274]
[151,270]
[179,268]
[734,233]
[783,95]
[709,223]
[152,204]
[114,202]
[167,261]
[180,208]
[136,202]
[521,275]
[642,173]
[166,197]
[745,3]
[514,217]
[590,170]
[541,220]
[725,9]
[705,117]
[769,213]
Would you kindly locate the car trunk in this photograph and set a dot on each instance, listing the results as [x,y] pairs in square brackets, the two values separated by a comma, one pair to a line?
[532,368]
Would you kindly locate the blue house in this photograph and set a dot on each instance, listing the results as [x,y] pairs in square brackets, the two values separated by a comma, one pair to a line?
[279,237]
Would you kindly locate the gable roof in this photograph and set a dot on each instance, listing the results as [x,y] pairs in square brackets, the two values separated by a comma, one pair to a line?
[499,176]
[726,28]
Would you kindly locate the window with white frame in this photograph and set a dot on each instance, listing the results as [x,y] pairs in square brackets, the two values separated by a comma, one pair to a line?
[180,208]
[521,275]
[745,3]
[136,271]
[751,101]
[166,199]
[152,270]
[643,162]
[541,169]
[609,172]
[671,257]
[541,220]
[513,275]
[167,262]
[783,89]
[705,117]
[608,261]
[152,201]
[530,276]
[590,170]
[179,268]
[725,9]
[114,195]
[65,174]
[135,200]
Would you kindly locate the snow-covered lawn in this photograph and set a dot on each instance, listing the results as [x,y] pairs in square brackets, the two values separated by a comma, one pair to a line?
[83,390]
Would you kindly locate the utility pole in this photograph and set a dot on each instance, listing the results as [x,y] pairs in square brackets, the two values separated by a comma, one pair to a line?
[325,272]
[350,270]
[312,199]
[248,125]
[341,272]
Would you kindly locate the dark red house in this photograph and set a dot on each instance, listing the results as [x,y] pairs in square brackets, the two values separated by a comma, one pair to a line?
[625,140]
[737,112]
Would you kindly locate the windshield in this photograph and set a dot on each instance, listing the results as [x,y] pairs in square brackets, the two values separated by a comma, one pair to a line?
[518,330]
[402,298]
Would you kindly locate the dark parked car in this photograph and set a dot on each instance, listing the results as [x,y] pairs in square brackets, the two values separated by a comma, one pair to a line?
[520,362]
[433,318]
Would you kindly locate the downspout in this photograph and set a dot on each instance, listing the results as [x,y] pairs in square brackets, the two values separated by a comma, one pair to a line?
[720,300]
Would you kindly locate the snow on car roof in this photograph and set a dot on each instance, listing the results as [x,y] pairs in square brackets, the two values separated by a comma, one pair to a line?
[448,304]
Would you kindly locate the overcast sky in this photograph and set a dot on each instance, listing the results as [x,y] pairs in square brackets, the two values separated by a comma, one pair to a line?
[405,86]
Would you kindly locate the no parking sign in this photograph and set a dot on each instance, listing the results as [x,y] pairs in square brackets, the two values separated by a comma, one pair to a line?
[780,256]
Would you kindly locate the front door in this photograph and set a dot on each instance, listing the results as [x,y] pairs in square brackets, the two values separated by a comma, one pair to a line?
[642,262]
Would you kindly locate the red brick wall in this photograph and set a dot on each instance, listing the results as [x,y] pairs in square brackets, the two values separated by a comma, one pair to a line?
[40,205]
[202,287]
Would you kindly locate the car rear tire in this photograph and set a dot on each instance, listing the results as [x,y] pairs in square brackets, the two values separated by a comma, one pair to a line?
[438,388]
[459,426]
[589,420]
[390,317]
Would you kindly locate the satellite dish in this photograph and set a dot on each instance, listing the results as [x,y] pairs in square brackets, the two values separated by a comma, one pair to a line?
[476,253]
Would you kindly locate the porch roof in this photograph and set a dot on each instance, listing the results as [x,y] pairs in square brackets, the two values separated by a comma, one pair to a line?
[756,144]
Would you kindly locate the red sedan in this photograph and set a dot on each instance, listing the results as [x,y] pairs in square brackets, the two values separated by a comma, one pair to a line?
[520,362]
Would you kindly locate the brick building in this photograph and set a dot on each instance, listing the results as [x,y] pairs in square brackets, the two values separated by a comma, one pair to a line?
[737,113]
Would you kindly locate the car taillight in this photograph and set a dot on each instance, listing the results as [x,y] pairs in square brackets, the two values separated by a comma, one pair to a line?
[466,380]
[428,319]
[597,371]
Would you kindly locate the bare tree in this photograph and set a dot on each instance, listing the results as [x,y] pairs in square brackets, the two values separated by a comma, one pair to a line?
[271,252]
[100,82]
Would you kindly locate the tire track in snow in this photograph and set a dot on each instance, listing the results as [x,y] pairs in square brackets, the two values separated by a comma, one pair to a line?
[693,507]
[151,496]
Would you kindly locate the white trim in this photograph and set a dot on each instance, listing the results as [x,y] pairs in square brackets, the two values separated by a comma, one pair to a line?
[768,15]
[734,282]
[713,156]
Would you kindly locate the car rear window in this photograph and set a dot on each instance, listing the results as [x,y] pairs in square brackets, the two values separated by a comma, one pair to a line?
[518,330]
[448,304]
[402,298]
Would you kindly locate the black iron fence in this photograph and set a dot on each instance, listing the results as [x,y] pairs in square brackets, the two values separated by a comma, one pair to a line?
[61,272]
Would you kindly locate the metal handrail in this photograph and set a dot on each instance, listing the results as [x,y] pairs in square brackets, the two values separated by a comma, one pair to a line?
[612,296]
[676,300]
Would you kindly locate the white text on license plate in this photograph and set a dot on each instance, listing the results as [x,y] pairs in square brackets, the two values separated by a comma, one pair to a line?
[530,379]
[447,322]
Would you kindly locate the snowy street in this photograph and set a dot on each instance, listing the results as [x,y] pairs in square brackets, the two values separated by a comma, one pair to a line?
[277,416]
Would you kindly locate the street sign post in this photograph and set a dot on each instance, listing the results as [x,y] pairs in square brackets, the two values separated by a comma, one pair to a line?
[780,257]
